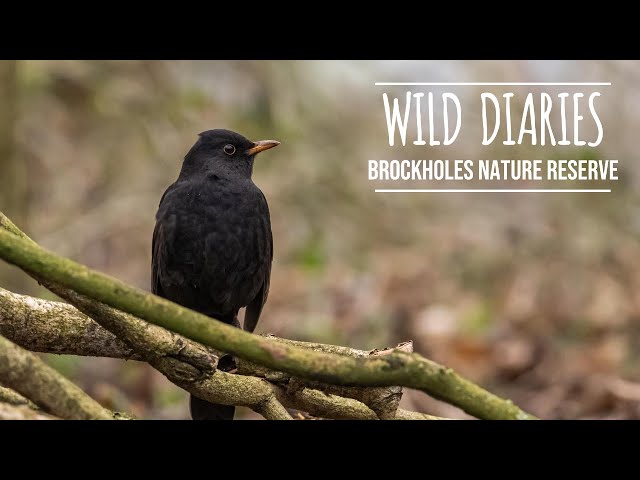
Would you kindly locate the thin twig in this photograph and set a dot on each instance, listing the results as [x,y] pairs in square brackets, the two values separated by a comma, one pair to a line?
[14,398]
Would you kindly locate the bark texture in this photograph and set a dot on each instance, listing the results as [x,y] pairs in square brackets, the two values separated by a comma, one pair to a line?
[25,373]
[395,368]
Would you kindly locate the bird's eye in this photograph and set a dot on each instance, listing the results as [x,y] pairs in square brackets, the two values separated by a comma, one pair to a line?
[229,149]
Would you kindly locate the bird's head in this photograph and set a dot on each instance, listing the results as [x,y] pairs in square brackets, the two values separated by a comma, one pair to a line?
[223,153]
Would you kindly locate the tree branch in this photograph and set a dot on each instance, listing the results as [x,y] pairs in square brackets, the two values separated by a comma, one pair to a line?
[25,373]
[292,393]
[384,401]
[321,404]
[398,368]
[21,412]
[403,414]
[14,398]
[54,327]
[186,363]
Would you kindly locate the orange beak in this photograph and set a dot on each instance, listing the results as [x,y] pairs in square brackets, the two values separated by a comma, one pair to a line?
[262,145]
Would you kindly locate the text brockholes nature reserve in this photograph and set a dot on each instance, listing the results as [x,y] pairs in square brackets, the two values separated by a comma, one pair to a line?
[533,127]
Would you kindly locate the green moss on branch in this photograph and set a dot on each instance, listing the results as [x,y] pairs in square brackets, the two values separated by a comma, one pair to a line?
[55,327]
[9,411]
[25,373]
[185,362]
[398,368]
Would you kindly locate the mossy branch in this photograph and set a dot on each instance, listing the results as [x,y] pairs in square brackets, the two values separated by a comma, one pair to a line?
[25,373]
[9,411]
[382,401]
[186,363]
[54,327]
[398,368]
[14,398]
[28,321]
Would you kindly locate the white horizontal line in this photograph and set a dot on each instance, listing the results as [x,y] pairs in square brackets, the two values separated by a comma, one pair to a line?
[500,83]
[492,190]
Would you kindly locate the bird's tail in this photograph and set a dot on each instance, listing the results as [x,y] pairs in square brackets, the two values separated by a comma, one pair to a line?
[203,410]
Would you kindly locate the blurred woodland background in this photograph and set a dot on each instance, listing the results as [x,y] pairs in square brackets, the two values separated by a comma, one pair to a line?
[535,297]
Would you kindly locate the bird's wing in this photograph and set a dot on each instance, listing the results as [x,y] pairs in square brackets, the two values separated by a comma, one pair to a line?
[156,259]
[254,308]
[158,250]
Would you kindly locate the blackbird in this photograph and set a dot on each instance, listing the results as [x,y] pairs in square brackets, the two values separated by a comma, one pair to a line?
[212,244]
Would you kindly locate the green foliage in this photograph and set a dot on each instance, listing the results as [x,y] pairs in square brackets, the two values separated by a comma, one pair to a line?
[478,319]
[312,256]
[68,365]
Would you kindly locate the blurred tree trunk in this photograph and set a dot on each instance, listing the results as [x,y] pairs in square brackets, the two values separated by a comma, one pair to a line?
[13,179]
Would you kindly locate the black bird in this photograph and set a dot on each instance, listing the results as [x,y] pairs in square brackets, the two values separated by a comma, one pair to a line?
[212,243]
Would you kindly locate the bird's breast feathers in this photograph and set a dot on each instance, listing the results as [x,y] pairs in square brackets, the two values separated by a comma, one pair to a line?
[218,238]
